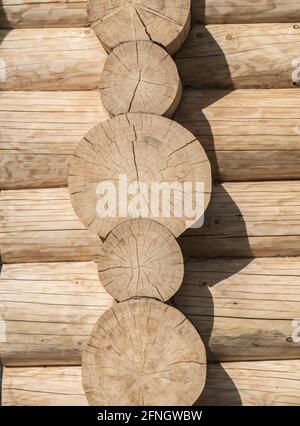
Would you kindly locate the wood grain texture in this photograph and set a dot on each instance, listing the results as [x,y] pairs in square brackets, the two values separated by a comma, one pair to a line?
[41,226]
[245,11]
[243,309]
[143,352]
[255,219]
[165,22]
[140,76]
[140,258]
[48,311]
[43,13]
[39,131]
[261,383]
[50,59]
[249,134]
[240,56]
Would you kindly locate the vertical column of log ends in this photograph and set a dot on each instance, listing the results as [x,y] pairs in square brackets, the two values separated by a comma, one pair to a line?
[142,351]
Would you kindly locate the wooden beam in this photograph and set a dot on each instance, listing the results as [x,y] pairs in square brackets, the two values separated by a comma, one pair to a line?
[260,383]
[245,11]
[244,309]
[255,219]
[240,56]
[41,226]
[39,131]
[49,13]
[48,311]
[247,134]
[50,59]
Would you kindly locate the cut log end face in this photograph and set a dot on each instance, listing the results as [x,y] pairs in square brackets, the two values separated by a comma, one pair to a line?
[141,258]
[165,22]
[139,166]
[140,77]
[143,352]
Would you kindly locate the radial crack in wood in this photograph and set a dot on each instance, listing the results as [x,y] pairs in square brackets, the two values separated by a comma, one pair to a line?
[140,77]
[143,352]
[139,165]
[141,258]
[165,22]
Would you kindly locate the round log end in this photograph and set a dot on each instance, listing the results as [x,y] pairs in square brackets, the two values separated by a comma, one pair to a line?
[141,258]
[139,166]
[145,353]
[165,22]
[140,77]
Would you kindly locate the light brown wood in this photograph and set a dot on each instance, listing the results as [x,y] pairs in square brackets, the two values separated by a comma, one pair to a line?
[245,11]
[146,149]
[140,77]
[39,225]
[255,219]
[46,13]
[240,56]
[140,258]
[243,308]
[247,134]
[50,59]
[48,310]
[143,352]
[39,131]
[261,383]
[165,22]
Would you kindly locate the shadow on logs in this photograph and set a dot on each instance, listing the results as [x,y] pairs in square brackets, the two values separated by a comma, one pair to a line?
[225,384]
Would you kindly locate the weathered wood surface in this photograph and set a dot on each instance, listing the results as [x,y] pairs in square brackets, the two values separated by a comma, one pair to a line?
[243,308]
[50,59]
[41,226]
[48,310]
[247,134]
[240,56]
[245,11]
[39,131]
[256,219]
[260,383]
[43,13]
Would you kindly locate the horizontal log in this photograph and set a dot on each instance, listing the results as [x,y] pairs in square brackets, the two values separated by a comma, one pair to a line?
[262,383]
[48,310]
[240,56]
[50,59]
[245,11]
[45,13]
[41,226]
[247,134]
[256,219]
[243,308]
[39,131]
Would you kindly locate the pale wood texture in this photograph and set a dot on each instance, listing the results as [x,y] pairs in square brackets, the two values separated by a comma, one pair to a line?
[141,258]
[240,56]
[39,131]
[43,13]
[39,225]
[48,310]
[245,11]
[251,383]
[140,77]
[143,352]
[51,59]
[259,219]
[165,22]
[247,134]
[262,383]
[243,308]
[146,148]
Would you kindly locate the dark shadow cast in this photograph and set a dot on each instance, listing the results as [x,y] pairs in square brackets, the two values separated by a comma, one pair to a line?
[222,218]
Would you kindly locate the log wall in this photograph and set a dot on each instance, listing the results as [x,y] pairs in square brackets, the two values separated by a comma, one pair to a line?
[241,383]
